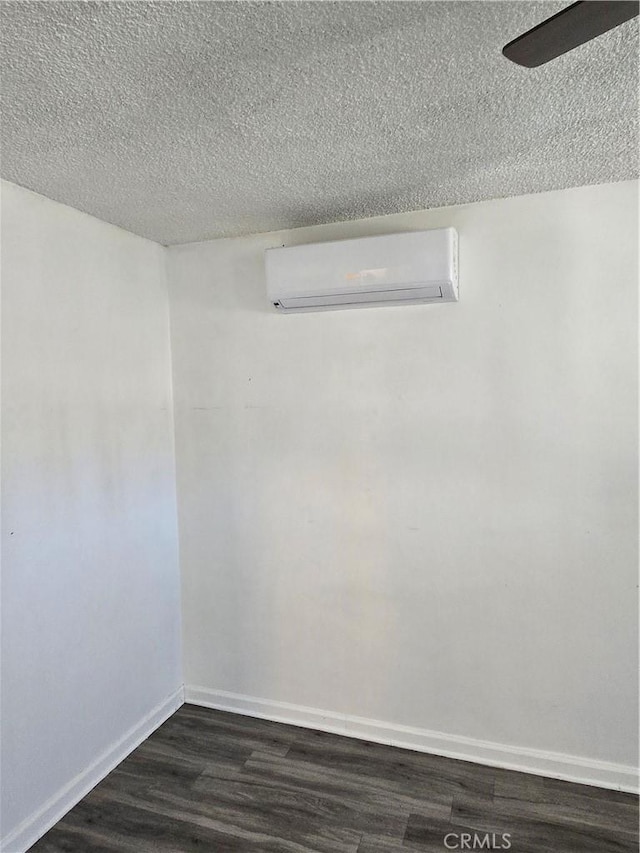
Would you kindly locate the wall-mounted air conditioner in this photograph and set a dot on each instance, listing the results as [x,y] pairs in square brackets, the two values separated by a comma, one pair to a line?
[395,269]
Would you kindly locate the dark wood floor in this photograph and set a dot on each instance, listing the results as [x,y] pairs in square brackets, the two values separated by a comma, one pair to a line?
[211,781]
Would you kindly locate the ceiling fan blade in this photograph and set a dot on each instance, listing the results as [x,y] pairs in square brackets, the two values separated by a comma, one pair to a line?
[570,28]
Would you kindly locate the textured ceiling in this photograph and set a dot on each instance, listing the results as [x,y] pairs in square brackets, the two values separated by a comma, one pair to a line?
[182,121]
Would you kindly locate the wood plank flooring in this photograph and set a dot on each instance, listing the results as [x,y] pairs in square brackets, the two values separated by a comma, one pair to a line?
[212,781]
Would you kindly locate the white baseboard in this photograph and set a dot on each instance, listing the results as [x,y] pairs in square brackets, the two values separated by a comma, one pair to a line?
[35,826]
[555,765]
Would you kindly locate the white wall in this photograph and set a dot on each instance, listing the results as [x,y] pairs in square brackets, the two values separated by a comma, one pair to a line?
[421,515]
[425,516]
[90,588]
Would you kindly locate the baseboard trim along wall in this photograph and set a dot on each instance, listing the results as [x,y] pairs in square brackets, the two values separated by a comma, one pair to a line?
[35,826]
[552,764]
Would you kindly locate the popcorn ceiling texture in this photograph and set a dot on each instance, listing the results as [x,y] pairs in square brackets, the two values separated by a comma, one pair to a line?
[182,121]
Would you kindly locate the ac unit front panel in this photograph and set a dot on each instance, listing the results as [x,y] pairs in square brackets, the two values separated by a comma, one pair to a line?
[393,269]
